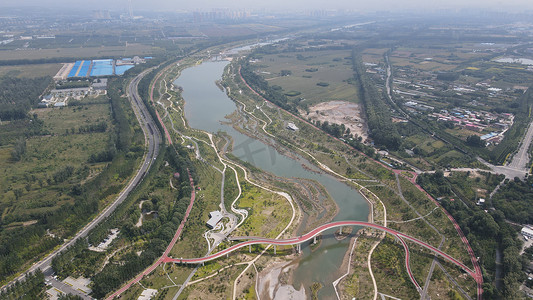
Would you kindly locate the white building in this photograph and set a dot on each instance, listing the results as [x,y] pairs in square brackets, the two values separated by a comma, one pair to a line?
[215,217]
[147,294]
[291,126]
[527,231]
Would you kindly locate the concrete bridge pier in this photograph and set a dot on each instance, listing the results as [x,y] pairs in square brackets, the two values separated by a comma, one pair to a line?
[298,248]
[250,248]
[314,239]
[274,249]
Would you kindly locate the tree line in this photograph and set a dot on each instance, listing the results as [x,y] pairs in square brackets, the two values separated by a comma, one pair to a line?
[32,287]
[382,130]
[18,95]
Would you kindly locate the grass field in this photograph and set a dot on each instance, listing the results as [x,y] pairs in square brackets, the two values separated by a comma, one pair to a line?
[421,64]
[58,120]
[269,213]
[85,52]
[27,185]
[30,71]
[310,69]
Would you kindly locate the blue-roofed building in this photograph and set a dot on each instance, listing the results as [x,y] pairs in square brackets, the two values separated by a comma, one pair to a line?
[102,67]
[84,69]
[119,70]
[75,69]
[488,136]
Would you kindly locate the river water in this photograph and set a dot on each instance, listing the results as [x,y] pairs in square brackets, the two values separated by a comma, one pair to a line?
[206,106]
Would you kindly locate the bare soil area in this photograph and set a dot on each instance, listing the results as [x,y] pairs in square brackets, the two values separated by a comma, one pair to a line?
[275,283]
[341,112]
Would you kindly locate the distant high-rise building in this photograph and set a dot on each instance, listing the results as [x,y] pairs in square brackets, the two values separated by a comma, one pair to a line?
[220,14]
[130,10]
[100,14]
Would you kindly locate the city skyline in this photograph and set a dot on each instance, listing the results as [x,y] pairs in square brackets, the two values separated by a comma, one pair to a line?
[278,5]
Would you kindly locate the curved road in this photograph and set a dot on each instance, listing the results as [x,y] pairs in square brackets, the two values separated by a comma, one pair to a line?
[153,139]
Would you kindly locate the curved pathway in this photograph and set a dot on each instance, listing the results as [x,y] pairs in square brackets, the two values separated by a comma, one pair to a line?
[310,235]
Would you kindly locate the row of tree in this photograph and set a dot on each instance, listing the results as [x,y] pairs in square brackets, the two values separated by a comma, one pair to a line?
[99,127]
[514,135]
[382,129]
[32,287]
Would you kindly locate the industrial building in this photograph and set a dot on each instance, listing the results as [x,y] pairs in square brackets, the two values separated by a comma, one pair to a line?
[98,67]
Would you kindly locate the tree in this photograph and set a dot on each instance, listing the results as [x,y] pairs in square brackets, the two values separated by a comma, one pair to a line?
[19,149]
[18,193]
[475,141]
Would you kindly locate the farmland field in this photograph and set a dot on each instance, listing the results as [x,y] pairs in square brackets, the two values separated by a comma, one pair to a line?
[82,52]
[30,71]
[319,76]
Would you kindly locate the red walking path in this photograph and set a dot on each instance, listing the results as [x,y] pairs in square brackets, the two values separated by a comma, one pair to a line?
[310,235]
[163,257]
[476,273]
[473,258]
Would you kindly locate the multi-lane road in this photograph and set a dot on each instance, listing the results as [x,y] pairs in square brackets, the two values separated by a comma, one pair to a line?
[521,158]
[153,140]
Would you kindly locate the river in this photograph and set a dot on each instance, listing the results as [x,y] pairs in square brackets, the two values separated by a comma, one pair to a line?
[206,106]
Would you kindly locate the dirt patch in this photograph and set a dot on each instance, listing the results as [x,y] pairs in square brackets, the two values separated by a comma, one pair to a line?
[341,112]
[28,223]
[275,283]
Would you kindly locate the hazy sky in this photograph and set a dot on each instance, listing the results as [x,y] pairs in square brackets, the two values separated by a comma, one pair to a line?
[362,5]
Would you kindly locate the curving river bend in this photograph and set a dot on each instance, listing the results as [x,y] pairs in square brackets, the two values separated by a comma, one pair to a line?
[206,106]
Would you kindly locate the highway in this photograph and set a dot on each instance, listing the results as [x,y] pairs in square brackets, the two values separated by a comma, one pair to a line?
[153,140]
[132,88]
[521,158]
